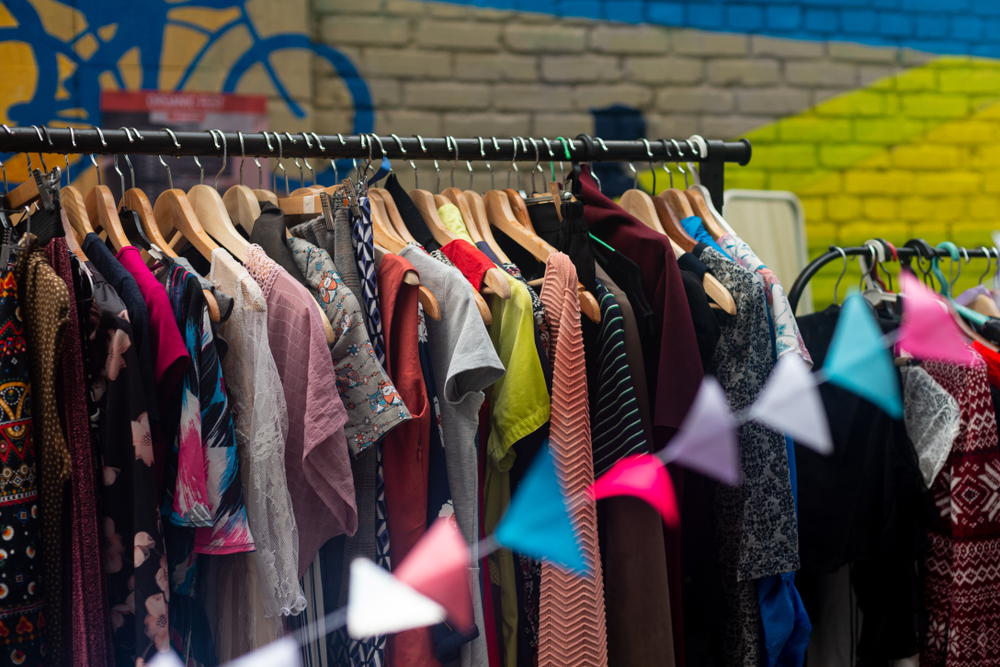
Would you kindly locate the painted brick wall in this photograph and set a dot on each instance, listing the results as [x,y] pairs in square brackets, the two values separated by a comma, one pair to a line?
[438,68]
[876,140]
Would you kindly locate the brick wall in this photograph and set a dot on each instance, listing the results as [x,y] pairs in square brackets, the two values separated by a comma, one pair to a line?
[876,140]
[437,69]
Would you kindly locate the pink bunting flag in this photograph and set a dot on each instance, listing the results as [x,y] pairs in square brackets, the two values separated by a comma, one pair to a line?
[928,330]
[438,567]
[644,476]
[707,439]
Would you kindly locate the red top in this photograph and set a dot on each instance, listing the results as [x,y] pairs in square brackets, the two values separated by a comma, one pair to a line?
[992,363]
[468,259]
[404,449]
[170,357]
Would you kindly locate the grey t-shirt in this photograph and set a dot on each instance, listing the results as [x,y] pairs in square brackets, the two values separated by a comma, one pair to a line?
[465,363]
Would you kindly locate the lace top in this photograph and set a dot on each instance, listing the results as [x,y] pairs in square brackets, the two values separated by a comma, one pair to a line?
[932,419]
[261,428]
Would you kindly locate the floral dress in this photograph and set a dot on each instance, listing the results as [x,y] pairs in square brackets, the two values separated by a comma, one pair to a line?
[21,596]
[135,560]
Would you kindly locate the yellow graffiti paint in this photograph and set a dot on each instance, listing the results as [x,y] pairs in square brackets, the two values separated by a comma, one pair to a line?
[209,19]
[60,20]
[130,68]
[180,45]
[20,75]
[66,69]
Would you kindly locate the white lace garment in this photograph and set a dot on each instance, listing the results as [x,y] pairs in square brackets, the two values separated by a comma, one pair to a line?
[932,419]
[261,428]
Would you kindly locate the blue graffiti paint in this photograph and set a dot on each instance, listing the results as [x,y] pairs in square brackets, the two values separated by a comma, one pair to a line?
[947,27]
[141,25]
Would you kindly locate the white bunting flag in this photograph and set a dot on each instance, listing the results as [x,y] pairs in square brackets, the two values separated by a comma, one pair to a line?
[707,439]
[790,402]
[380,604]
[165,659]
[284,652]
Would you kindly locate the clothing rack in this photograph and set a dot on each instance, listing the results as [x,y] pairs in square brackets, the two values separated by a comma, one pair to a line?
[712,155]
[913,249]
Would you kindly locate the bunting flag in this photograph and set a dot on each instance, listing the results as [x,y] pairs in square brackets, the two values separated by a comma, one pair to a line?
[707,439]
[790,402]
[859,361]
[165,659]
[284,652]
[438,567]
[379,604]
[928,329]
[537,522]
[644,476]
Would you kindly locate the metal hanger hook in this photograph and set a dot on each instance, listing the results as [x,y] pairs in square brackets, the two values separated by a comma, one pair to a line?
[680,166]
[452,143]
[305,160]
[666,150]
[92,160]
[40,156]
[649,153]
[836,288]
[512,165]
[198,162]
[170,178]
[538,166]
[635,175]
[131,171]
[224,156]
[243,155]
[281,155]
[6,188]
[173,136]
[989,262]
[119,172]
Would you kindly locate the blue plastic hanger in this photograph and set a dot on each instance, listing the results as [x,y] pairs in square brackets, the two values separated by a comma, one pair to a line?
[945,289]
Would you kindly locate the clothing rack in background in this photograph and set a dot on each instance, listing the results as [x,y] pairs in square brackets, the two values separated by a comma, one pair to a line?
[711,155]
[913,249]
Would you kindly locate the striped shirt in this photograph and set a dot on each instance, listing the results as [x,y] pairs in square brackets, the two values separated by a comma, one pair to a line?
[616,430]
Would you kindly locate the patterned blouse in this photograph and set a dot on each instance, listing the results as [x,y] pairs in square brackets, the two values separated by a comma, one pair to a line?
[786,331]
[372,402]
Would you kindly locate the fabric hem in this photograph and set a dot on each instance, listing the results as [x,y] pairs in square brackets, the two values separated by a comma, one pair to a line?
[517,432]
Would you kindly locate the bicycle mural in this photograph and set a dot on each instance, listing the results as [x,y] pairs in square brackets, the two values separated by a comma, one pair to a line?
[58,57]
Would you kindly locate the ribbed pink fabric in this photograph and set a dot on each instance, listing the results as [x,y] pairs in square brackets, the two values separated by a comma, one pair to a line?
[572,629]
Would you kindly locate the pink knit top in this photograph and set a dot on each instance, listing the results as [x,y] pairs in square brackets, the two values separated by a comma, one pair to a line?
[572,628]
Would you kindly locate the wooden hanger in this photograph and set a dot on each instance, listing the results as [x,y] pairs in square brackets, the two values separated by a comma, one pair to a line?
[640,210]
[386,237]
[76,212]
[136,200]
[500,215]
[424,201]
[242,205]
[519,209]
[103,212]
[701,209]
[672,207]
[395,219]
[76,208]
[214,218]
[383,233]
[173,211]
[640,205]
[480,221]
[265,195]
